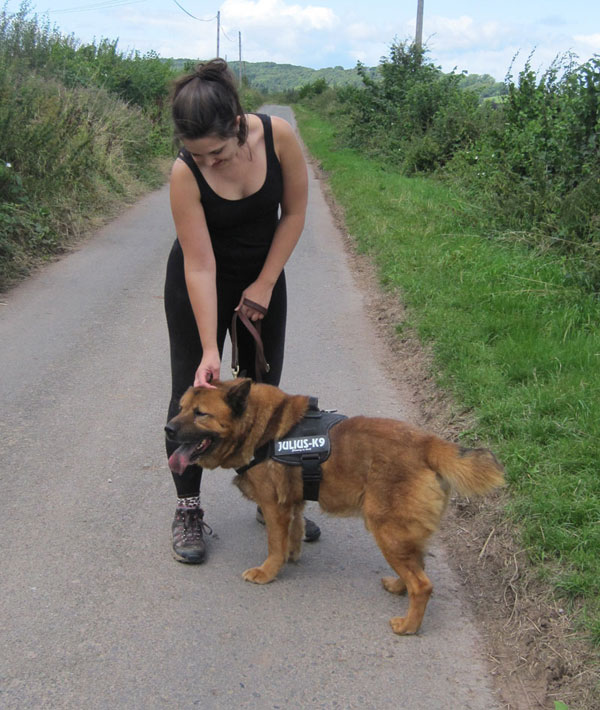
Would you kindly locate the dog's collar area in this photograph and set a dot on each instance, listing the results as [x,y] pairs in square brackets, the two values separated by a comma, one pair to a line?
[259,456]
[306,444]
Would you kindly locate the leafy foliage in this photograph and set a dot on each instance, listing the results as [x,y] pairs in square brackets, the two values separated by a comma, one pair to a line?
[483,85]
[529,159]
[80,127]
[536,168]
[411,113]
[32,45]
[313,89]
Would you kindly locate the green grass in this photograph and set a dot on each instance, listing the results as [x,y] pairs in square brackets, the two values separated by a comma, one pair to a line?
[69,158]
[511,341]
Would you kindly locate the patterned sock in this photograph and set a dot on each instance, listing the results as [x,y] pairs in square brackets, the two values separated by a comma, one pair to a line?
[188,503]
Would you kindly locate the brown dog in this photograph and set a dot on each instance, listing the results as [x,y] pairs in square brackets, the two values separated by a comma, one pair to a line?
[396,476]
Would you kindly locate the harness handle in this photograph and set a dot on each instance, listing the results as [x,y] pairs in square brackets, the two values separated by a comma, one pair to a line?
[260,364]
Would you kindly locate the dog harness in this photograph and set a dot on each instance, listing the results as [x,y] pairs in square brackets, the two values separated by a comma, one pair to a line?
[306,444]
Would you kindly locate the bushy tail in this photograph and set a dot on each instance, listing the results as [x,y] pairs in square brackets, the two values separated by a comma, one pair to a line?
[468,471]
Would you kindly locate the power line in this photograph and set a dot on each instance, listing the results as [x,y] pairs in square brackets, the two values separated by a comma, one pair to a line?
[239,43]
[226,35]
[207,19]
[105,4]
[96,6]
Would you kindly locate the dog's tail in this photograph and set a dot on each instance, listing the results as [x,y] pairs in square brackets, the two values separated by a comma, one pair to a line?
[468,471]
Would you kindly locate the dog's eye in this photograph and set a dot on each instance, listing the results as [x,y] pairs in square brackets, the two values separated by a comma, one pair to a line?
[199,413]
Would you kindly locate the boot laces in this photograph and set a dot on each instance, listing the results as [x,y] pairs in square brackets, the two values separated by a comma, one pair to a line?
[193,525]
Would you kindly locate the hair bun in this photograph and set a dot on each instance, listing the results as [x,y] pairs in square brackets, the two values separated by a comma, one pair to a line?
[214,70]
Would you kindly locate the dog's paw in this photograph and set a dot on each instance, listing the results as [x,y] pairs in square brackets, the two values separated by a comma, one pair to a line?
[257,576]
[394,585]
[400,626]
[294,555]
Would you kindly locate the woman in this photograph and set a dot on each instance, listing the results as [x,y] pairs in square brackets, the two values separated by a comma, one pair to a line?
[238,199]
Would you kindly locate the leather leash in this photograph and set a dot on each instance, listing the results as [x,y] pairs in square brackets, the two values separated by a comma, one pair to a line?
[261,365]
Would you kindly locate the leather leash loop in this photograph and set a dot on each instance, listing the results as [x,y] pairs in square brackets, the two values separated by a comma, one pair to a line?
[261,364]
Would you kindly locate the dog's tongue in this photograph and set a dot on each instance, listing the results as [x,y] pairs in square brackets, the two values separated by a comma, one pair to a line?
[179,460]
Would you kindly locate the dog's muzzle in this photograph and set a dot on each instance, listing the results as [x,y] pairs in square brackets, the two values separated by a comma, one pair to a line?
[171,432]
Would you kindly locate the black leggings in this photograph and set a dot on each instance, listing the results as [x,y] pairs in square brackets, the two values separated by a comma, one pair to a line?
[186,349]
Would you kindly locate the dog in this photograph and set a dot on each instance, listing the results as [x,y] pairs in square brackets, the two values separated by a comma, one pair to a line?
[396,476]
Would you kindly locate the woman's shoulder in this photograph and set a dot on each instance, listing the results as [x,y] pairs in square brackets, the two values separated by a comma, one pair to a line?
[284,137]
[279,125]
[182,178]
[180,169]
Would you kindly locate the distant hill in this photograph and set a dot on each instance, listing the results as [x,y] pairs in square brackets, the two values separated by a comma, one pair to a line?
[269,77]
[273,78]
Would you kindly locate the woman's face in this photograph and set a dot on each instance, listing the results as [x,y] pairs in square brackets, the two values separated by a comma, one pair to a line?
[212,151]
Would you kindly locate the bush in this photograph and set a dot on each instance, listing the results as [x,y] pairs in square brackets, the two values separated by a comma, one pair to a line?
[412,115]
[250,98]
[56,137]
[536,170]
[142,80]
[79,128]
[313,89]
[528,161]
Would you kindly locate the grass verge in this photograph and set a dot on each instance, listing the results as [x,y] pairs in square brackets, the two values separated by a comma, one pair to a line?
[512,342]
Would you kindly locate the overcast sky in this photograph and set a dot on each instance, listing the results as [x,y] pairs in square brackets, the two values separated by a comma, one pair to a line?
[476,36]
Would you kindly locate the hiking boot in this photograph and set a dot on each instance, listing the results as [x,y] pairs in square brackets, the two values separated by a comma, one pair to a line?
[312,531]
[188,541]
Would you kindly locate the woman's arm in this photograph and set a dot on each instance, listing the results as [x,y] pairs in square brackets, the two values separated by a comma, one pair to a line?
[199,264]
[293,213]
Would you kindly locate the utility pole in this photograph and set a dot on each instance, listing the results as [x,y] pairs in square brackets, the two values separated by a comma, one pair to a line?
[240,61]
[218,32]
[419,33]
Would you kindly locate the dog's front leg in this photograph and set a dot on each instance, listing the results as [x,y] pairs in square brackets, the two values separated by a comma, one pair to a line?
[296,533]
[277,519]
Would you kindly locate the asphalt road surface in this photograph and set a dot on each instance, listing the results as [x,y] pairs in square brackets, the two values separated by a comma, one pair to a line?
[94,612]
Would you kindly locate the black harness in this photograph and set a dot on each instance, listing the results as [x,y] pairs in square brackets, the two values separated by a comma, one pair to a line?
[307,444]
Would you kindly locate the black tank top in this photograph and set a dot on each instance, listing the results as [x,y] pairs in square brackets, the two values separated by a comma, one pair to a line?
[241,231]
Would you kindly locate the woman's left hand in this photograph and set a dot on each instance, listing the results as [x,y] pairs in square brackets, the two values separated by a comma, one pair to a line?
[258,293]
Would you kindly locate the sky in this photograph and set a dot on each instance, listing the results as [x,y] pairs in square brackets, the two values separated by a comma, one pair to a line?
[476,36]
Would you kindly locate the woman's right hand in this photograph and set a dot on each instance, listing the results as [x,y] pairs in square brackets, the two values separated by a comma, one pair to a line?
[208,370]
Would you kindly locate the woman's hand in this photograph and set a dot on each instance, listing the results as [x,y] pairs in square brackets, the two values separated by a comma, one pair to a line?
[208,370]
[259,293]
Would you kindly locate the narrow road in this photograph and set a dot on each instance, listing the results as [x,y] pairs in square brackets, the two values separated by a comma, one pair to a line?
[94,612]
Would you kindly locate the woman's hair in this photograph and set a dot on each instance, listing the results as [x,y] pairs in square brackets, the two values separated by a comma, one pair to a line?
[206,103]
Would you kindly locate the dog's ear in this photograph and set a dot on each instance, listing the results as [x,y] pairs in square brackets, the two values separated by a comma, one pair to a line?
[237,396]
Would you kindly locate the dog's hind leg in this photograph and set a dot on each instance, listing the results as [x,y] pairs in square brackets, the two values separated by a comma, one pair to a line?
[395,585]
[406,559]
[277,519]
